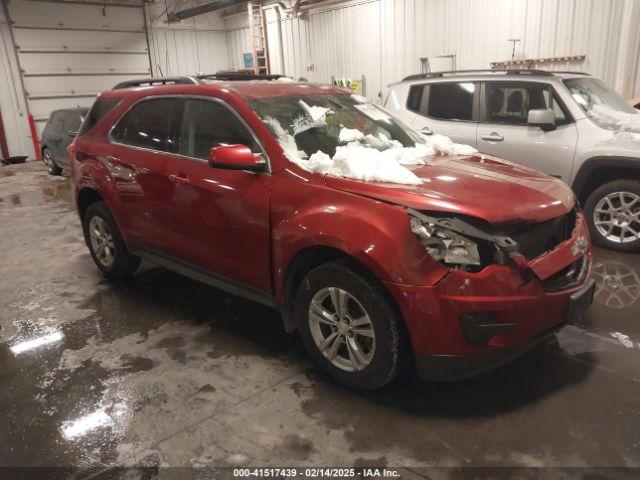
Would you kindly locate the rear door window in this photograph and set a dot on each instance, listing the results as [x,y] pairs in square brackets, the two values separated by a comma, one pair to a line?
[443,101]
[72,121]
[451,101]
[149,124]
[56,124]
[207,124]
[510,102]
[99,109]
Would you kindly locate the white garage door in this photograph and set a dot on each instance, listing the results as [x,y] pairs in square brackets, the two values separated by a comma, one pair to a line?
[70,51]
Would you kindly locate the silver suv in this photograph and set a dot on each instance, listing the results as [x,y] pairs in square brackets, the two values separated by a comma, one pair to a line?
[550,121]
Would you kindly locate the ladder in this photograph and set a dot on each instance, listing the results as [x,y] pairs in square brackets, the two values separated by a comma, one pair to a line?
[258,37]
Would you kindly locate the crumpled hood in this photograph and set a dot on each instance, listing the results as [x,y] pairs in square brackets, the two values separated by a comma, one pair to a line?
[481,186]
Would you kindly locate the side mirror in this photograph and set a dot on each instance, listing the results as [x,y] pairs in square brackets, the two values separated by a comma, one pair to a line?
[236,157]
[545,118]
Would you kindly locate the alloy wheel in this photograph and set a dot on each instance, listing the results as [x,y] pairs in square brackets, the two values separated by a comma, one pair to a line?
[48,159]
[101,241]
[617,217]
[342,329]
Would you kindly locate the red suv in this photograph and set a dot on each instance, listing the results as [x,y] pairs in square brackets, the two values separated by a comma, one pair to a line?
[461,264]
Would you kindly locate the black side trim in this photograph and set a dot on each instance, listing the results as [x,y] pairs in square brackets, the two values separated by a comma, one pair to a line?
[205,276]
[581,179]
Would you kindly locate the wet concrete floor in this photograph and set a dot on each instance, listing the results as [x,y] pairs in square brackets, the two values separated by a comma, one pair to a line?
[162,371]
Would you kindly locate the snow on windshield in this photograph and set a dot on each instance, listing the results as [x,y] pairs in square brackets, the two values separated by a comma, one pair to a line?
[614,119]
[360,156]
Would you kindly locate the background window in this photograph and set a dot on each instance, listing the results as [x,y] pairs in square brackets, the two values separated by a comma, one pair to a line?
[510,102]
[415,98]
[149,124]
[451,101]
[56,124]
[207,124]
[72,121]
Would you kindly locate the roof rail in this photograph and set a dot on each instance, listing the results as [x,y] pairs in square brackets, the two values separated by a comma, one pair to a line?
[522,71]
[195,79]
[571,72]
[232,75]
[148,82]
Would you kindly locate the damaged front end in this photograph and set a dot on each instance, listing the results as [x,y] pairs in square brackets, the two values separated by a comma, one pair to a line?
[507,289]
[469,244]
[463,242]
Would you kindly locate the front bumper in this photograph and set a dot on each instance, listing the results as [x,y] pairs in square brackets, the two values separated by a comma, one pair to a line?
[458,367]
[468,323]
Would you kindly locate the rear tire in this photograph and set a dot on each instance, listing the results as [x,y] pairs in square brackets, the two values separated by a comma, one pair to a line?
[613,214]
[50,162]
[363,343]
[105,243]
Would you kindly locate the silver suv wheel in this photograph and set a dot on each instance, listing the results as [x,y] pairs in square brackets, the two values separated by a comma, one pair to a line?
[617,217]
[341,329]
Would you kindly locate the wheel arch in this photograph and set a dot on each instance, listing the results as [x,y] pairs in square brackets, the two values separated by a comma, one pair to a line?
[597,171]
[84,198]
[311,257]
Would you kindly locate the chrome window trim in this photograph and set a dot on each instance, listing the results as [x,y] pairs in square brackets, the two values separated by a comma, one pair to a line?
[233,111]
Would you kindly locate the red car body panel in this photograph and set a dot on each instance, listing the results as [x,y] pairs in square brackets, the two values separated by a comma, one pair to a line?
[249,227]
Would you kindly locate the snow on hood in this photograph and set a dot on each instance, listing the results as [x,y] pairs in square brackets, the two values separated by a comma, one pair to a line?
[362,157]
[361,160]
[317,114]
[615,120]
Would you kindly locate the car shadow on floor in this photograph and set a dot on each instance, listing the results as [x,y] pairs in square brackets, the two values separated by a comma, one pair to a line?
[164,296]
[540,373]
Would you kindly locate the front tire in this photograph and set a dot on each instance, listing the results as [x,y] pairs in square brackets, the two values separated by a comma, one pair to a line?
[613,213]
[349,327]
[50,162]
[105,243]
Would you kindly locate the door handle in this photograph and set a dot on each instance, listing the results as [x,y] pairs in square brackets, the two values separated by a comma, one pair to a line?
[179,178]
[426,131]
[493,137]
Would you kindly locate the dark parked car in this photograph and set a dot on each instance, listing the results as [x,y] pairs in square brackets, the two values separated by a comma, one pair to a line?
[474,262]
[57,135]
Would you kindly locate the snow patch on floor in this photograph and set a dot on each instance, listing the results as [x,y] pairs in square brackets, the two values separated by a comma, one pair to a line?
[615,120]
[624,340]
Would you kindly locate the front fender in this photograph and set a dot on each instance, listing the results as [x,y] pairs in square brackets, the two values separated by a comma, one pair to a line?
[375,233]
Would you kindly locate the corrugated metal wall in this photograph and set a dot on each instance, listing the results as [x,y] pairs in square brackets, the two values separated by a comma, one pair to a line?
[182,52]
[198,44]
[238,39]
[385,39]
[478,33]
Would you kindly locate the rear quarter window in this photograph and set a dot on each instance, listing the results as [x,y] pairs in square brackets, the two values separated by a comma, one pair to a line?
[99,109]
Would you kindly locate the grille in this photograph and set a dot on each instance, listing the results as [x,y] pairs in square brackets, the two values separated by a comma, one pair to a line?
[568,277]
[534,240]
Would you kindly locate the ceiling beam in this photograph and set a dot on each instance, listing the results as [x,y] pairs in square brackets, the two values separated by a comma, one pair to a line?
[174,17]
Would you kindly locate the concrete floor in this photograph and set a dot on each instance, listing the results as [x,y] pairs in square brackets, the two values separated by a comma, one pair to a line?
[163,371]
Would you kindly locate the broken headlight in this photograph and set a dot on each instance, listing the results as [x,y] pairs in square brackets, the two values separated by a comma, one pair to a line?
[444,245]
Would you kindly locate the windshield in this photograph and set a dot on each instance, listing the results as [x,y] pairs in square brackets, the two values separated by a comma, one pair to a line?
[323,122]
[591,92]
